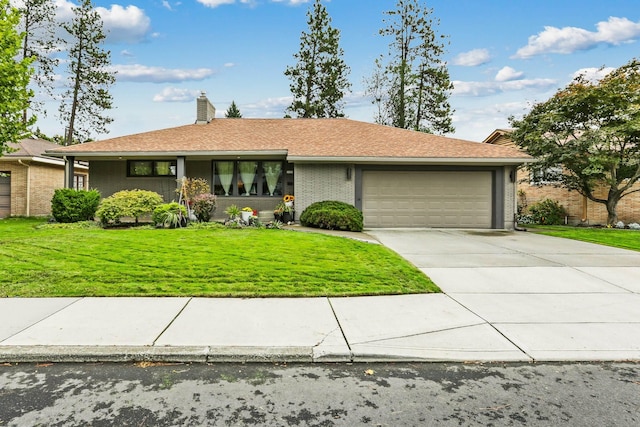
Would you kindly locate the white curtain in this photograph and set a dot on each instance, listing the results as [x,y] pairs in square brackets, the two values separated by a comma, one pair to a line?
[247,175]
[272,171]
[225,174]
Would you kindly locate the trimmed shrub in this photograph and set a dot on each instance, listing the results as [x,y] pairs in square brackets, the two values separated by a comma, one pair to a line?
[547,212]
[332,215]
[127,203]
[203,206]
[172,215]
[69,205]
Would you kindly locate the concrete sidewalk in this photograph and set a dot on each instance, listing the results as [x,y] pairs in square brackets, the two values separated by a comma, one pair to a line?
[508,297]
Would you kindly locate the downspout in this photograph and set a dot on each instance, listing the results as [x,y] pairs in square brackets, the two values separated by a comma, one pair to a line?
[513,176]
[585,215]
[28,211]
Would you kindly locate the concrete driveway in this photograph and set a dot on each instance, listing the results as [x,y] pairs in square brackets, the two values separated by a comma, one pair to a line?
[552,298]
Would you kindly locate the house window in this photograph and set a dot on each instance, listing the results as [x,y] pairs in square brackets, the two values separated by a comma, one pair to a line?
[248,178]
[80,182]
[550,175]
[152,168]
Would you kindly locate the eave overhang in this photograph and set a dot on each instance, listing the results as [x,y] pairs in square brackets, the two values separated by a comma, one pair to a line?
[190,155]
[491,161]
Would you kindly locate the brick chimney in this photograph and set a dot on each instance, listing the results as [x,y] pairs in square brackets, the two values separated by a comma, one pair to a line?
[205,110]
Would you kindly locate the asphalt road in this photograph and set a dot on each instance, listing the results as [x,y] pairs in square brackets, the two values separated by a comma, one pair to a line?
[595,394]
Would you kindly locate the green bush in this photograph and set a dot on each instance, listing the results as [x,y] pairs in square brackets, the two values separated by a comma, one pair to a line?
[547,212]
[69,205]
[127,203]
[332,215]
[172,215]
[203,206]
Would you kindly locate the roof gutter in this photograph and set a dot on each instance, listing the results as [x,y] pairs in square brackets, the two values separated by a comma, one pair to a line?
[169,154]
[35,159]
[414,160]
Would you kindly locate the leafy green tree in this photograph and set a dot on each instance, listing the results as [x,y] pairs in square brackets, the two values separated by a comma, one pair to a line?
[319,79]
[39,42]
[87,96]
[233,112]
[14,79]
[591,129]
[411,84]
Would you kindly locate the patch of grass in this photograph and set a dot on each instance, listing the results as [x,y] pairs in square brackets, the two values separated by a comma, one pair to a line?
[625,239]
[38,261]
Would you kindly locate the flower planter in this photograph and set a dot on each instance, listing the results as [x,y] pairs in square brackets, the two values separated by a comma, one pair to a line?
[288,217]
[246,216]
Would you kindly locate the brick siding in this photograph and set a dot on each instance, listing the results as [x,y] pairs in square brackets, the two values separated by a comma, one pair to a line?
[318,182]
[580,209]
[44,180]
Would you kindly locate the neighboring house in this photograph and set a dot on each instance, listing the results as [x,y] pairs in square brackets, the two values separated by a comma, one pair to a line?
[534,188]
[28,178]
[396,177]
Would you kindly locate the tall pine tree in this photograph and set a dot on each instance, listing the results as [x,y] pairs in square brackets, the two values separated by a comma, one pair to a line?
[87,96]
[319,79]
[39,43]
[14,79]
[233,112]
[411,84]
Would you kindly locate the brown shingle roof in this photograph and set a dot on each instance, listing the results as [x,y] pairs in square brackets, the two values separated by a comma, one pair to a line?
[299,138]
[30,147]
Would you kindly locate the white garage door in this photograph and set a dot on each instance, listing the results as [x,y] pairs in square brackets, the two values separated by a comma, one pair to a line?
[426,199]
[5,195]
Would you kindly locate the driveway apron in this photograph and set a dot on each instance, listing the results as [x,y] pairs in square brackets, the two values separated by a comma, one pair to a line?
[553,299]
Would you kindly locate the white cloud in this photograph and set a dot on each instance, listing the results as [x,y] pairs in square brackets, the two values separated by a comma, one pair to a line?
[507,74]
[570,39]
[64,10]
[472,58]
[124,24]
[229,65]
[491,88]
[593,74]
[127,24]
[216,3]
[617,30]
[143,73]
[270,107]
[475,124]
[173,94]
[127,53]
[291,2]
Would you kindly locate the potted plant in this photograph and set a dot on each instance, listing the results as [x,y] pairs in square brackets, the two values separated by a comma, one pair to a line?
[284,212]
[188,189]
[233,211]
[246,213]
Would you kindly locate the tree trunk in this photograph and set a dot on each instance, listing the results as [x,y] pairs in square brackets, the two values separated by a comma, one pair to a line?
[612,204]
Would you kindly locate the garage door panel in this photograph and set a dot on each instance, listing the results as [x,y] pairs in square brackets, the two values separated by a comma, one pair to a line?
[427,199]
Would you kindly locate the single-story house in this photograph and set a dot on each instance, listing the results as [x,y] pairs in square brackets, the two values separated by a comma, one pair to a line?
[396,177]
[580,210]
[28,178]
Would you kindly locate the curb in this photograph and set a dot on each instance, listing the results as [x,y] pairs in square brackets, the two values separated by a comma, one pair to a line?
[208,354]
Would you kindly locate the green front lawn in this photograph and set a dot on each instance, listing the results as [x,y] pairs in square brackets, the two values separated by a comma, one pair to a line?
[625,239]
[43,262]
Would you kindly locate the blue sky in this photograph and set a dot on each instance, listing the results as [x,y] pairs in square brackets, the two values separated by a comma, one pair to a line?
[503,55]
